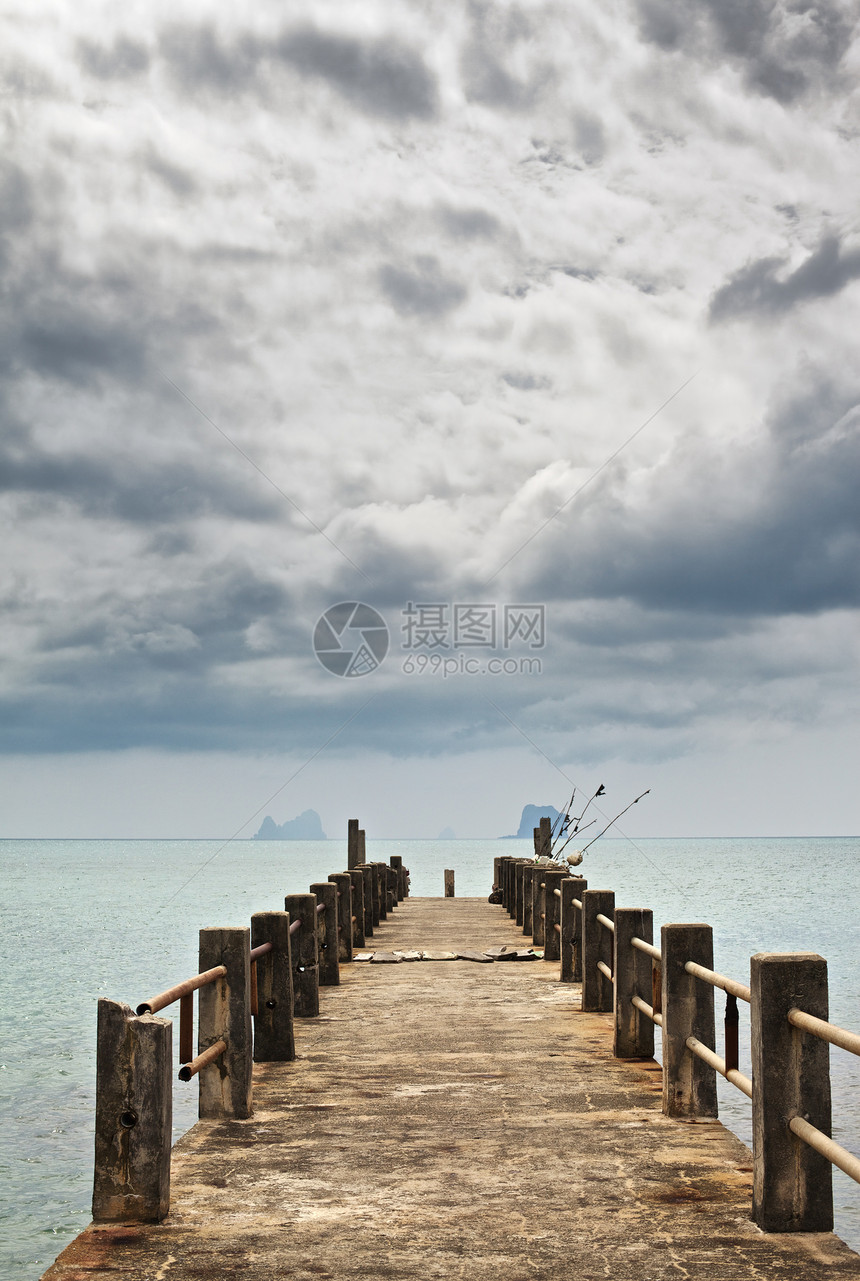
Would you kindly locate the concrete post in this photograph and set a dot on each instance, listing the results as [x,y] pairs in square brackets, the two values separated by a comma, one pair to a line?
[528,898]
[538,906]
[554,878]
[362,847]
[449,882]
[390,886]
[634,1031]
[545,836]
[369,919]
[134,1115]
[273,1023]
[396,862]
[509,885]
[537,841]
[306,965]
[352,859]
[224,1013]
[327,944]
[792,1183]
[519,868]
[508,860]
[597,945]
[343,884]
[689,1085]
[356,876]
[571,929]
[497,871]
[379,871]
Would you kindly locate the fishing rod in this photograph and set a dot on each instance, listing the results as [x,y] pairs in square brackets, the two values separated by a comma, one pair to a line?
[575,832]
[563,822]
[576,826]
[615,820]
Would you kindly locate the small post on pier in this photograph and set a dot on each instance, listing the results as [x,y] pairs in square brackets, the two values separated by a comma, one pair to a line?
[634,1031]
[326,896]
[396,862]
[449,882]
[792,1183]
[689,1084]
[224,1014]
[571,929]
[545,836]
[134,1115]
[537,841]
[306,964]
[380,871]
[274,1041]
[519,869]
[597,991]
[538,906]
[362,847]
[554,878]
[370,919]
[528,897]
[356,876]
[352,859]
[343,883]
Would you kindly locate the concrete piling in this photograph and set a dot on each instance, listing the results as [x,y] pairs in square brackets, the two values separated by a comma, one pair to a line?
[356,876]
[449,882]
[305,955]
[792,1183]
[572,887]
[528,897]
[554,879]
[597,945]
[134,1115]
[634,1032]
[369,919]
[329,969]
[689,1084]
[274,1041]
[345,912]
[538,906]
[352,858]
[224,1014]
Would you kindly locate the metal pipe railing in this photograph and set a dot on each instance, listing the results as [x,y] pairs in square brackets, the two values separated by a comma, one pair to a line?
[181,989]
[188,1070]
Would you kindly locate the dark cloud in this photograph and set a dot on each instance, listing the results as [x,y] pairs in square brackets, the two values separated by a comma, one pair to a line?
[523,381]
[122,60]
[782,48]
[470,224]
[380,76]
[130,487]
[761,287]
[422,290]
[767,530]
[199,58]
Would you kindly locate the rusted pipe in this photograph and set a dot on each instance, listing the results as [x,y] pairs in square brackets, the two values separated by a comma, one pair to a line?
[260,950]
[186,1027]
[556,927]
[296,925]
[731,1028]
[208,1056]
[718,980]
[320,908]
[605,922]
[182,989]
[824,1031]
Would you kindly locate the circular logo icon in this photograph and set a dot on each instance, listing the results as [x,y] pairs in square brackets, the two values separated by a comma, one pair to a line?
[351,639]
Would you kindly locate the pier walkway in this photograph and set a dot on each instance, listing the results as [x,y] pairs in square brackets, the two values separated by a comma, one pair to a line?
[449,1119]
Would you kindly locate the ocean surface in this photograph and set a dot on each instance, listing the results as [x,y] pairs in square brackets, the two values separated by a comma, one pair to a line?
[84,919]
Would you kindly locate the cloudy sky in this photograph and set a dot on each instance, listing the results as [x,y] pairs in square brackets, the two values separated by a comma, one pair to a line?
[428,305]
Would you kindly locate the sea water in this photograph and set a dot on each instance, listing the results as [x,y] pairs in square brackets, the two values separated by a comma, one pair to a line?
[84,919]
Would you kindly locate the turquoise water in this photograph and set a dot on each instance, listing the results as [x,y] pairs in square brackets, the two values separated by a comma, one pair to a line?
[83,919]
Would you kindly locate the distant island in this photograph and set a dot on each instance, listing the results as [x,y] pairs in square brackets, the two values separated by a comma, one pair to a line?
[532,815]
[447,834]
[307,827]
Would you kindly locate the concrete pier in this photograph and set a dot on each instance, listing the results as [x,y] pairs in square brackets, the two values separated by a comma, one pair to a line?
[446,1119]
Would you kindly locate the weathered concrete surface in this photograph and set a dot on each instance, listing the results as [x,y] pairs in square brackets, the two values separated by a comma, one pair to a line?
[448,1120]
